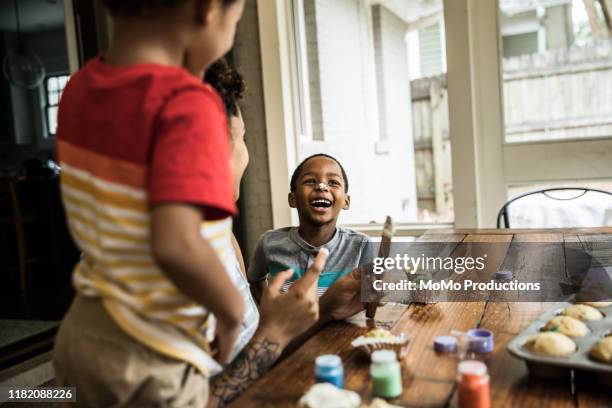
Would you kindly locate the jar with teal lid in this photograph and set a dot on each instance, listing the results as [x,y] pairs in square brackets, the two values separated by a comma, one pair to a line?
[328,368]
[386,374]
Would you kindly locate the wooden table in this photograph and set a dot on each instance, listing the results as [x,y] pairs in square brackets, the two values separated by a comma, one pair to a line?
[429,378]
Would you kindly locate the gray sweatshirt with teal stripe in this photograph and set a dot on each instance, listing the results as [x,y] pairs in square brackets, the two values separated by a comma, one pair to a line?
[284,248]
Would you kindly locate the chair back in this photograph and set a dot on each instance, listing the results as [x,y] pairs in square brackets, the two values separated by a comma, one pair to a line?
[562,207]
[9,200]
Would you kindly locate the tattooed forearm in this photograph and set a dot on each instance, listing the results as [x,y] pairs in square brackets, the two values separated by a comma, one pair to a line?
[253,362]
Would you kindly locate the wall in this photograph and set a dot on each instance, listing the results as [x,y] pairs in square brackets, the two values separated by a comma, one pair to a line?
[558,25]
[395,110]
[255,202]
[519,23]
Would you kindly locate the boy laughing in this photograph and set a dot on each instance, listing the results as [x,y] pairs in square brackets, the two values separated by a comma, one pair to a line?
[319,191]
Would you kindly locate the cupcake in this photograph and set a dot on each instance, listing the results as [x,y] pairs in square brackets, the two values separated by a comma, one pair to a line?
[602,351]
[381,339]
[550,344]
[567,325]
[596,304]
[379,334]
[582,312]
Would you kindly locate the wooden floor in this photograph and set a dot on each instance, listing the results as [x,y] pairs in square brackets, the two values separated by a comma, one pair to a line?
[429,378]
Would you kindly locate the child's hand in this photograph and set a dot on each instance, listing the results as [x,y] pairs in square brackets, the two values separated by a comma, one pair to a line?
[286,316]
[343,298]
[225,338]
[307,285]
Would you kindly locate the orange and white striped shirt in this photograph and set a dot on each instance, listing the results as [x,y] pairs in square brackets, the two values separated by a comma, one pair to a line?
[129,138]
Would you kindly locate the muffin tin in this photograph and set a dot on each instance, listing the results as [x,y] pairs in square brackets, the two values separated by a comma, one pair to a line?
[556,367]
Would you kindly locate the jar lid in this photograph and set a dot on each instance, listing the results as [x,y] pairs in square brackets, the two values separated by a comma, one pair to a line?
[445,344]
[384,356]
[472,367]
[328,360]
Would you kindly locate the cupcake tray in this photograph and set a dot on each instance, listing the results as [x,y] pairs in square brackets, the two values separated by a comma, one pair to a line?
[556,367]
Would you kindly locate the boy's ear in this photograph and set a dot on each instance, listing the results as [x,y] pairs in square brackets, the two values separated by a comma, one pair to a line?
[347,202]
[291,199]
[203,11]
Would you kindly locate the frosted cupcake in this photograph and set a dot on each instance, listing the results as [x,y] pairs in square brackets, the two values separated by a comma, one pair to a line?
[381,339]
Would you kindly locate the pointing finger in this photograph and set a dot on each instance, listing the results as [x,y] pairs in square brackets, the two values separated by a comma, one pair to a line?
[278,281]
[311,277]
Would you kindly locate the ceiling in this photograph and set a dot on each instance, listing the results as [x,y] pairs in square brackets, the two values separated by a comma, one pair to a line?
[34,15]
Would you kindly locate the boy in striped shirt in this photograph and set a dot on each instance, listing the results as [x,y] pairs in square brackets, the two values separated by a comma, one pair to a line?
[148,192]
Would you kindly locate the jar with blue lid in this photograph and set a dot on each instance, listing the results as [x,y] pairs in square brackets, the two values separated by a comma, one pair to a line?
[328,368]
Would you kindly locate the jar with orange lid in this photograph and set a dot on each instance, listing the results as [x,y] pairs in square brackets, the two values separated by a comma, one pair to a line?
[473,385]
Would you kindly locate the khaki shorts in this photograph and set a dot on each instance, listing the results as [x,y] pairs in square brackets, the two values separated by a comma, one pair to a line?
[110,369]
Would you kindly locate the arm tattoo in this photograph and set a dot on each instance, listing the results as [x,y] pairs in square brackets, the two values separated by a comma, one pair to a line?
[252,362]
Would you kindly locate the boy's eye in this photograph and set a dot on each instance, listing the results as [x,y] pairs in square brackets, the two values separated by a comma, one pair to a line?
[310,181]
[334,183]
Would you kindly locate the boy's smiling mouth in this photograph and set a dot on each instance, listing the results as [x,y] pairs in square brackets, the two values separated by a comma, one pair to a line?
[320,204]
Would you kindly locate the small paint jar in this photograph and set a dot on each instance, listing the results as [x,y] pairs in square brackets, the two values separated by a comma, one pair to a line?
[445,344]
[473,385]
[480,340]
[386,374]
[328,368]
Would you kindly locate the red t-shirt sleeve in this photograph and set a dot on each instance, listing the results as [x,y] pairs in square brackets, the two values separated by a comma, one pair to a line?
[191,154]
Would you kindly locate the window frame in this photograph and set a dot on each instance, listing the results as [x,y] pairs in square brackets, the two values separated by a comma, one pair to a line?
[299,70]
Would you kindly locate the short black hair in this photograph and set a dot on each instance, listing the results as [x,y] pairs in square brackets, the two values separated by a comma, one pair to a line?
[131,8]
[298,170]
[228,83]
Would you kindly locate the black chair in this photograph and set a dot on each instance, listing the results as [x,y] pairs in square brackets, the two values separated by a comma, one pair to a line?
[503,213]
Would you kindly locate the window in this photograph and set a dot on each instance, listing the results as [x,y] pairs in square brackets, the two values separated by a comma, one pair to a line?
[561,208]
[557,70]
[520,44]
[356,96]
[54,85]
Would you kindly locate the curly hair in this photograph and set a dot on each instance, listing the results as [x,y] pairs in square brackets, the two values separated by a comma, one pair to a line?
[131,8]
[298,170]
[229,84]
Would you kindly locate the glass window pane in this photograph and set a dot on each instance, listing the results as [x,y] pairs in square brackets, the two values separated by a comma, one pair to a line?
[52,84]
[378,100]
[52,119]
[53,98]
[557,70]
[562,208]
[62,81]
